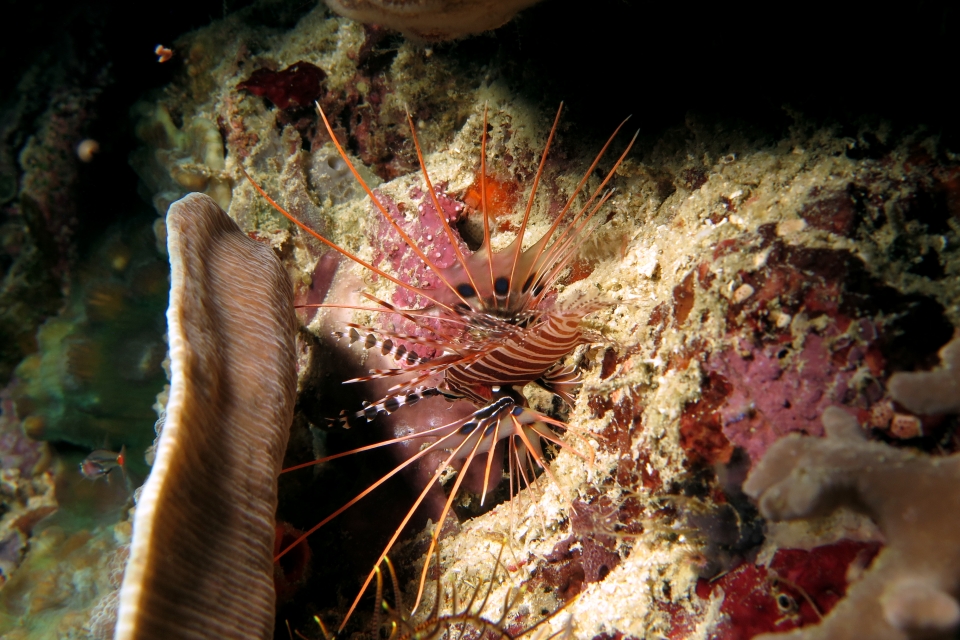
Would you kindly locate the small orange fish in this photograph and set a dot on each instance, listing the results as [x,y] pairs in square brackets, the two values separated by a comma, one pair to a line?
[101,462]
[163,54]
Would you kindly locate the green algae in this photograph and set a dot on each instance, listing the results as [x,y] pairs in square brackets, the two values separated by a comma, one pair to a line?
[99,366]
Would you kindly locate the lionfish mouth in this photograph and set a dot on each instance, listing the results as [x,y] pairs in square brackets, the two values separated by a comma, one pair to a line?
[492,332]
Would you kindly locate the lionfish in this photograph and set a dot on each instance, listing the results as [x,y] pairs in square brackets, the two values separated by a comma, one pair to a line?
[494,329]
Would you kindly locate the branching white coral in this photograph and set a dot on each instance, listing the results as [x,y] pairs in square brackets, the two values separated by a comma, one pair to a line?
[911,589]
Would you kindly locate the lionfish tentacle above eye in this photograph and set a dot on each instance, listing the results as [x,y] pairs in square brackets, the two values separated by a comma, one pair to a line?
[492,334]
[440,214]
[526,275]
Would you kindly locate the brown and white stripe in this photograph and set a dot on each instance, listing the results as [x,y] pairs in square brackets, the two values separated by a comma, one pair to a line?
[523,361]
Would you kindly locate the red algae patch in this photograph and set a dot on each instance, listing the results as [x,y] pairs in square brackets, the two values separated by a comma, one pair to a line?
[299,85]
[502,196]
[796,589]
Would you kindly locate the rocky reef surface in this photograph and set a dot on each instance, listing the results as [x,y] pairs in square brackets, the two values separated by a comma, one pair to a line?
[751,278]
[749,281]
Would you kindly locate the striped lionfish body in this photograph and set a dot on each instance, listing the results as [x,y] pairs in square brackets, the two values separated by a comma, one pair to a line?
[493,331]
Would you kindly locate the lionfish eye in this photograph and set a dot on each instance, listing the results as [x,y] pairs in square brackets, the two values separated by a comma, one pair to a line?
[526,285]
[501,285]
[466,290]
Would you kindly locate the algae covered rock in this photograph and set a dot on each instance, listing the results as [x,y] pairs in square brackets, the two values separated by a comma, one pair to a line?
[97,373]
[749,278]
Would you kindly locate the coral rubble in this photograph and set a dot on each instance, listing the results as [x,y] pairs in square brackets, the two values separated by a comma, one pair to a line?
[910,590]
[202,551]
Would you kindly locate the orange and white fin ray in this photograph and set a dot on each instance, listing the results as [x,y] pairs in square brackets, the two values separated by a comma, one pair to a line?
[363,263]
[440,212]
[533,194]
[408,314]
[559,243]
[436,445]
[580,185]
[383,210]
[396,535]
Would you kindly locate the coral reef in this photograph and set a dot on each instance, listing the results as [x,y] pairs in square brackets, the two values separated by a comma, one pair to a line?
[27,487]
[910,590]
[98,368]
[203,535]
[68,584]
[931,392]
[179,161]
[749,282]
[63,541]
[17,451]
[38,187]
[91,384]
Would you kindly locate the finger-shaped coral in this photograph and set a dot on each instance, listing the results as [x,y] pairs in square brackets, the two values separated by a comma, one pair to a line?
[931,392]
[911,589]
[201,563]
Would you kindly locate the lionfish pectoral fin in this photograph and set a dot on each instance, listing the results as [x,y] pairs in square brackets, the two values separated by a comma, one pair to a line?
[533,448]
[385,406]
[533,421]
[481,426]
[390,343]
[447,440]
[490,453]
[563,381]
[455,454]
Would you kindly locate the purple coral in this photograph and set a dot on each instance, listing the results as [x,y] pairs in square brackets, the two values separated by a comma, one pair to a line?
[774,395]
